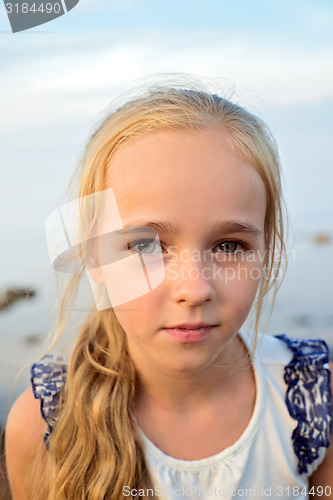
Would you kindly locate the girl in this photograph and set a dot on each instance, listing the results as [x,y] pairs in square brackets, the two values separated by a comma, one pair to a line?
[164,394]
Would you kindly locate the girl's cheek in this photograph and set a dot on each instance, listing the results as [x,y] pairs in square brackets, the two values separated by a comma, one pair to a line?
[237,301]
[239,292]
[245,276]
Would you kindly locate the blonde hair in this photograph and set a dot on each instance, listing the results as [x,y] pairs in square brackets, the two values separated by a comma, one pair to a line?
[94,449]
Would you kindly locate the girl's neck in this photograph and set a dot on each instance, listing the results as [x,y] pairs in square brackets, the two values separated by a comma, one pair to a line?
[172,391]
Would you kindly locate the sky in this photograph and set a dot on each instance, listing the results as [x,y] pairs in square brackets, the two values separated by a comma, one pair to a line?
[58,79]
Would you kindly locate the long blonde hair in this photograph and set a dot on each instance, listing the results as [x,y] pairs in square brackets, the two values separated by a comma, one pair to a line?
[94,449]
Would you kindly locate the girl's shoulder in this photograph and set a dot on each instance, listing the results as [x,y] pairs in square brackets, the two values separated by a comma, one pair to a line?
[24,433]
[284,350]
[31,420]
[48,378]
[299,371]
[24,421]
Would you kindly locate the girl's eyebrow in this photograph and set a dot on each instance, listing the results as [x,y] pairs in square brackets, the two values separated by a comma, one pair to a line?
[216,226]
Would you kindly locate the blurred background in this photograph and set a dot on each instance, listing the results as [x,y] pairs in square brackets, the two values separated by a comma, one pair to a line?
[56,81]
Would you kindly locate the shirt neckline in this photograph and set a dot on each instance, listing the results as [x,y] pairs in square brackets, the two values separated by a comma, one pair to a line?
[247,435]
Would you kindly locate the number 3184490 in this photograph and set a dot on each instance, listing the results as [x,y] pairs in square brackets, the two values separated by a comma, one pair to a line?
[295,491]
[25,8]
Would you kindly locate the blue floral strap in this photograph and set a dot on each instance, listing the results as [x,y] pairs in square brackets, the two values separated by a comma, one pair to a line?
[48,377]
[309,398]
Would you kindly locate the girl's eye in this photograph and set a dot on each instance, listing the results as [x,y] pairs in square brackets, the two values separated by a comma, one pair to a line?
[230,246]
[146,247]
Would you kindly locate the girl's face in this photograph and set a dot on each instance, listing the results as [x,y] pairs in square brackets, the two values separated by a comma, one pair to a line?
[208,206]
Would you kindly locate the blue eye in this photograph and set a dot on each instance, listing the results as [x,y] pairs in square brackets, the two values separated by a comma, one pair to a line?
[146,246]
[230,246]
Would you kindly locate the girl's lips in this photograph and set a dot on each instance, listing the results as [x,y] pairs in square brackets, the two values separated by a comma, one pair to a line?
[189,334]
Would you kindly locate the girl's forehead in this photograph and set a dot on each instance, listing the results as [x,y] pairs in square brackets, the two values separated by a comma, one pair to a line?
[185,174]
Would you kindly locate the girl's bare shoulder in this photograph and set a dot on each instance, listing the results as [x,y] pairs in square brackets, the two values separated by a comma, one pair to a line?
[25,423]
[24,433]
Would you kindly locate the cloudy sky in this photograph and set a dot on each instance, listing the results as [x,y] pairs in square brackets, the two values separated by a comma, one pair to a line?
[57,80]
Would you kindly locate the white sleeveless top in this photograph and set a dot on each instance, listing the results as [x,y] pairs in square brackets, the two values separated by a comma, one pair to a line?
[261,463]
[283,444]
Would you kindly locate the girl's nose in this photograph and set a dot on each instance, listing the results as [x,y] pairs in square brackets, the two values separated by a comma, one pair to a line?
[191,283]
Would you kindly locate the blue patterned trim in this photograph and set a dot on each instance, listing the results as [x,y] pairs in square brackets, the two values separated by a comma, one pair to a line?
[48,377]
[309,398]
